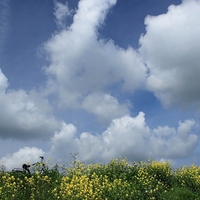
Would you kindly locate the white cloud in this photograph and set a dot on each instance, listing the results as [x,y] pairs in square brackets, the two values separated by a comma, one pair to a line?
[62,12]
[105,106]
[170,48]
[3,82]
[126,136]
[64,143]
[24,115]
[172,143]
[23,156]
[81,64]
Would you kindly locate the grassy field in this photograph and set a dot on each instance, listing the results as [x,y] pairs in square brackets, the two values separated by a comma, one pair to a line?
[116,180]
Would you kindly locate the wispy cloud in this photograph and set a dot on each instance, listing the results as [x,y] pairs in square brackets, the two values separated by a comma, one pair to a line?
[4,21]
[62,12]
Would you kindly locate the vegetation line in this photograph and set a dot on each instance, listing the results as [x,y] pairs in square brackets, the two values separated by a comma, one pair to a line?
[117,180]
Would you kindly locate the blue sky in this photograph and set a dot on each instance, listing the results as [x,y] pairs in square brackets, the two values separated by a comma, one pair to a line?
[103,78]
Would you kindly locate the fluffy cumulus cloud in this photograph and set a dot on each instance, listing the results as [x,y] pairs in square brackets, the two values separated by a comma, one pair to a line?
[24,115]
[82,65]
[170,48]
[3,82]
[126,136]
[105,106]
[24,155]
[171,143]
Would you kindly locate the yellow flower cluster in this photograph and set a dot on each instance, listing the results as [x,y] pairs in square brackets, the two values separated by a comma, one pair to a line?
[190,177]
[84,183]
[17,186]
[117,180]
[9,186]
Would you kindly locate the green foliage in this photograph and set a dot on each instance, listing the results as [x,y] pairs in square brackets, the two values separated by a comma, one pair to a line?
[117,180]
[179,193]
[189,177]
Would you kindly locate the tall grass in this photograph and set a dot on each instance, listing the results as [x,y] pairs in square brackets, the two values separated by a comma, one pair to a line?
[116,180]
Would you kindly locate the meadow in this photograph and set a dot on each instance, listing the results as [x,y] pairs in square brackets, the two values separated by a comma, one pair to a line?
[116,180]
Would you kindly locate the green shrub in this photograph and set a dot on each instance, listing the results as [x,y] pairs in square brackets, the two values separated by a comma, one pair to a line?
[116,180]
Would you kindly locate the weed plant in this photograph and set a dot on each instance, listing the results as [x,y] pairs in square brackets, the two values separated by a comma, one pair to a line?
[117,180]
